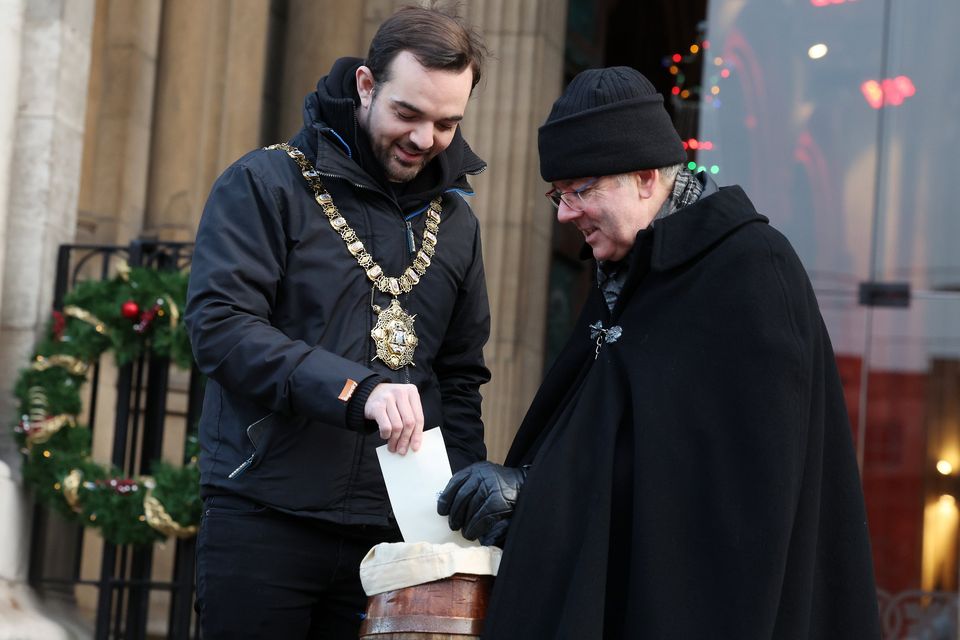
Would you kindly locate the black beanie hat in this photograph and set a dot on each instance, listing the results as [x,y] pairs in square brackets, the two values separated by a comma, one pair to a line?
[608,121]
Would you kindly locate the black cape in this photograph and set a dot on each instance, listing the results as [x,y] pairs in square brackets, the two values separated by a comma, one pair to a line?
[696,478]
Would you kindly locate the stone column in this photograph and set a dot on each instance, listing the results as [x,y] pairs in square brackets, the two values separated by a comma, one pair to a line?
[208,105]
[14,513]
[44,170]
[11,28]
[116,147]
[44,58]
[314,35]
[514,97]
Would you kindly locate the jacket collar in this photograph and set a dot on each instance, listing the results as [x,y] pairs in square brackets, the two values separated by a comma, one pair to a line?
[687,234]
[691,231]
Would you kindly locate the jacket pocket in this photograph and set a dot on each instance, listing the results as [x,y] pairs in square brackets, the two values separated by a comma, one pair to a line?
[255,434]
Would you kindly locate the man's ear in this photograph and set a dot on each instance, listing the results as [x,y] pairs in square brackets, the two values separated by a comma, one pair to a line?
[365,85]
[646,181]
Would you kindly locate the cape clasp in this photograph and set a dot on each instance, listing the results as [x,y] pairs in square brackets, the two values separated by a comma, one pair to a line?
[604,336]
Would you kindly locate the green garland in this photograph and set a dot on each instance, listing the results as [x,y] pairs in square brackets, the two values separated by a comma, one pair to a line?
[136,311]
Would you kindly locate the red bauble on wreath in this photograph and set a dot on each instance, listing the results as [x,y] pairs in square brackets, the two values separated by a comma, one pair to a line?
[130,310]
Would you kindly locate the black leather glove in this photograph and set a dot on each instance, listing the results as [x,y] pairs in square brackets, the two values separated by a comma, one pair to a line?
[480,500]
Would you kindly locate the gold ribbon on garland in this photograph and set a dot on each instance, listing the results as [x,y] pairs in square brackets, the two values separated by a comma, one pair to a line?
[85,316]
[37,398]
[70,486]
[154,512]
[40,432]
[157,516]
[40,427]
[74,366]
[166,305]
[174,312]
[123,270]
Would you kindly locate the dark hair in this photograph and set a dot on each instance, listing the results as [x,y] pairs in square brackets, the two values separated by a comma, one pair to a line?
[437,39]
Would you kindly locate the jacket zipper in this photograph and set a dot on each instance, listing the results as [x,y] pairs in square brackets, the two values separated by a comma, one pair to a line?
[243,465]
[411,241]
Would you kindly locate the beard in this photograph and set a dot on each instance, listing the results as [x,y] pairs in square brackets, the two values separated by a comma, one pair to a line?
[396,169]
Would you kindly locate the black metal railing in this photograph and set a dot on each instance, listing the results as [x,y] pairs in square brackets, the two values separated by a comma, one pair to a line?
[126,572]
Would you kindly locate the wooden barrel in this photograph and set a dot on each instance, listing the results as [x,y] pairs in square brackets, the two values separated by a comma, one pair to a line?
[448,609]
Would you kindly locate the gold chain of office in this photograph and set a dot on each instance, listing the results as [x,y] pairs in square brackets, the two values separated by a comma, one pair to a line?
[393,334]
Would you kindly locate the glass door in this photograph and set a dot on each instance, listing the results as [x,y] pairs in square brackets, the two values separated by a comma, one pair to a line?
[912,403]
[839,118]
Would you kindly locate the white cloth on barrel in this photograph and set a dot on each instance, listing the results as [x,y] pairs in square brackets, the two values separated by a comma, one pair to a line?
[396,565]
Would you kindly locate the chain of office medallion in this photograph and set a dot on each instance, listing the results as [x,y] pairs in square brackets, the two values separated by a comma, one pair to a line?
[384,283]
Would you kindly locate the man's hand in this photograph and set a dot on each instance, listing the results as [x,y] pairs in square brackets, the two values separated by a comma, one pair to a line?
[397,410]
[480,499]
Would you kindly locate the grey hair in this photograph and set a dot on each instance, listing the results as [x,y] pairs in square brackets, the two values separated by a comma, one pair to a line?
[667,174]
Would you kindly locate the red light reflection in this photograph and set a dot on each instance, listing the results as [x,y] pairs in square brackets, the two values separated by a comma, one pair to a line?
[693,143]
[888,92]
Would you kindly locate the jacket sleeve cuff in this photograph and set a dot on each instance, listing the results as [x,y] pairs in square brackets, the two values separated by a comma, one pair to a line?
[358,402]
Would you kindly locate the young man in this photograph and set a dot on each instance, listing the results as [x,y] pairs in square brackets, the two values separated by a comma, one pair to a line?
[686,469]
[337,290]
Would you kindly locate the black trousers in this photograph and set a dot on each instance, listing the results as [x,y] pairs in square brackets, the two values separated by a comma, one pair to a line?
[266,574]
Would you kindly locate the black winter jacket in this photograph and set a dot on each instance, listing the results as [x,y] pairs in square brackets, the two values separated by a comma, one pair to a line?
[280,315]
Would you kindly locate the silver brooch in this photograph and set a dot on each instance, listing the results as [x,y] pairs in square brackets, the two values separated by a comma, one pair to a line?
[604,336]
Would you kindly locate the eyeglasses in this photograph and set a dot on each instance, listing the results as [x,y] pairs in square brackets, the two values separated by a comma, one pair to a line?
[573,199]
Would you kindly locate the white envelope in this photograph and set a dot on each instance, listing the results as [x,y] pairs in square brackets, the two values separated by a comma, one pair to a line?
[414,482]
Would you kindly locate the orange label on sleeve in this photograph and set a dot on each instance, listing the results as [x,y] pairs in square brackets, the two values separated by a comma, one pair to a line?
[347,390]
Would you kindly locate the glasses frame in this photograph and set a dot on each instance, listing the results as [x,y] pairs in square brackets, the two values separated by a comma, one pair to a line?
[556,196]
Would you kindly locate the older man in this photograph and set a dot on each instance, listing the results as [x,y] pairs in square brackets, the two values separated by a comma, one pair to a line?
[686,469]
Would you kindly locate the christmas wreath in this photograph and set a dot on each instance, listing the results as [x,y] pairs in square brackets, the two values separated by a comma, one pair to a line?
[136,311]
